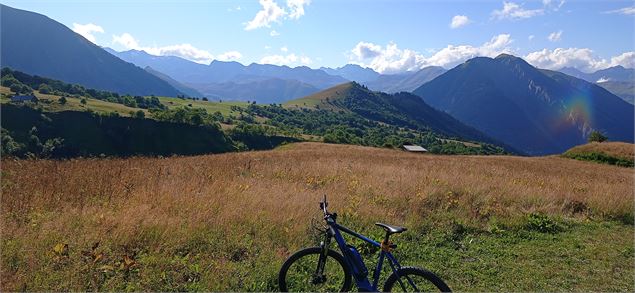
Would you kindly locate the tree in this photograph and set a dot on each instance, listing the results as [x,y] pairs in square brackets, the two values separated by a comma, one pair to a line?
[597,136]
[19,88]
[34,145]
[83,101]
[62,100]
[139,114]
[52,146]
[196,119]
[9,146]
[44,89]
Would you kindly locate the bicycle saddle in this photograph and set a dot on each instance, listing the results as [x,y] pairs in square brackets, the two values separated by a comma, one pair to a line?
[391,229]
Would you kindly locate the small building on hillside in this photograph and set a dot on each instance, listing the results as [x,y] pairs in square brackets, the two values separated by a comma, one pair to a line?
[22,98]
[414,148]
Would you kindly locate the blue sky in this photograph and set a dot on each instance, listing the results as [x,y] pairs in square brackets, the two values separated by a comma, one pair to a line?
[388,36]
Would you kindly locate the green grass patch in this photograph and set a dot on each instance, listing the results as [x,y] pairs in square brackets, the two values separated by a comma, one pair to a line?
[599,157]
[588,256]
[224,107]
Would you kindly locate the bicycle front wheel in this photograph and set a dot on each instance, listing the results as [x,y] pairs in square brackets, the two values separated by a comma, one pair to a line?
[305,272]
[411,279]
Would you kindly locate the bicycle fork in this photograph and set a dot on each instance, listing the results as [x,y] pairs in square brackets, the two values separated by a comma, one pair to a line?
[319,276]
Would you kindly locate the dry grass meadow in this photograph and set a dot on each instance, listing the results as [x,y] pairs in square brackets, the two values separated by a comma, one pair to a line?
[226,222]
[617,149]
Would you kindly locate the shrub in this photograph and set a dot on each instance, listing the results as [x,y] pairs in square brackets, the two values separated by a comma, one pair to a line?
[542,223]
[597,136]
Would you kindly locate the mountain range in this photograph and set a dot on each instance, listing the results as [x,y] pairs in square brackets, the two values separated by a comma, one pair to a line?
[535,111]
[615,73]
[219,79]
[389,83]
[498,100]
[38,45]
[618,80]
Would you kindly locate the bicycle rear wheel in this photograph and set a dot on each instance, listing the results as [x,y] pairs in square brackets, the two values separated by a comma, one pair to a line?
[411,279]
[300,273]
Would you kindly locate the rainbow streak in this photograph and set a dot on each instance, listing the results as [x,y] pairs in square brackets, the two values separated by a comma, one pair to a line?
[577,110]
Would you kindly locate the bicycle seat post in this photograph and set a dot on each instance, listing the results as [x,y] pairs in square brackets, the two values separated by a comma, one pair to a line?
[385,245]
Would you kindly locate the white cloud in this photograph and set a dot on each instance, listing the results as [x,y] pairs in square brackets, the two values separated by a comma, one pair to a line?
[531,37]
[626,59]
[274,33]
[453,55]
[229,56]
[305,60]
[296,8]
[514,11]
[581,58]
[391,59]
[284,49]
[459,21]
[126,40]
[186,51]
[279,59]
[365,50]
[551,4]
[87,30]
[555,36]
[289,59]
[270,12]
[624,11]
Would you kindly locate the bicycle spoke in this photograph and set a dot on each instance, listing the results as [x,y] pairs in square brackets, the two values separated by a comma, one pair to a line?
[412,283]
[304,275]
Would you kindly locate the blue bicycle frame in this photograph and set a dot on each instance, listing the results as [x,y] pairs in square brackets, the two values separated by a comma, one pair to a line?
[363,283]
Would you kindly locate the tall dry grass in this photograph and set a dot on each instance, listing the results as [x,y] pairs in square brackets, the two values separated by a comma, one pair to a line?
[612,148]
[223,217]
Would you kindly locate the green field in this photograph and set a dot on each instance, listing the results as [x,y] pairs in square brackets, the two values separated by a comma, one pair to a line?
[211,107]
[319,100]
[50,103]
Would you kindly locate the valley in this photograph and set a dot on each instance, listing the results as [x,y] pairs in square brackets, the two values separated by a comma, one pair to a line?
[246,126]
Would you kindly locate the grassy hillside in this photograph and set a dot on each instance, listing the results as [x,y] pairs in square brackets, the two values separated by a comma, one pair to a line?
[614,153]
[321,99]
[51,104]
[227,222]
[89,134]
[401,110]
[224,107]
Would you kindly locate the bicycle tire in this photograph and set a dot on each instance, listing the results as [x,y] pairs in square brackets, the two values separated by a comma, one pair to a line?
[415,272]
[332,257]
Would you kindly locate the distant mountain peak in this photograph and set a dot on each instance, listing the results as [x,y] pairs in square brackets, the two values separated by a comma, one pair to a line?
[505,55]
[225,62]
[496,95]
[69,57]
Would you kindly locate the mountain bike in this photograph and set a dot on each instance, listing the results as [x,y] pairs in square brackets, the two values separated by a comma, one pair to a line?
[321,269]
